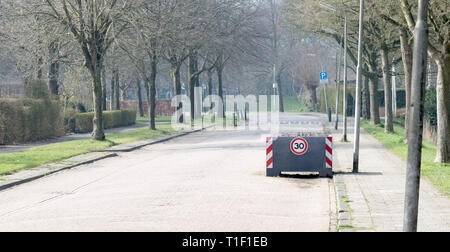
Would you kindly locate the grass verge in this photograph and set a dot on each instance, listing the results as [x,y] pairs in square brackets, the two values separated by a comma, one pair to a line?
[293,105]
[13,162]
[158,119]
[438,174]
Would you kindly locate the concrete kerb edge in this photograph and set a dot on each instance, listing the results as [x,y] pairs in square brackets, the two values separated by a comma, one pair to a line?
[90,161]
[343,206]
[23,181]
[153,142]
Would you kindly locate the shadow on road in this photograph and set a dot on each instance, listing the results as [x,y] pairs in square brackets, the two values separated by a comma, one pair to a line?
[300,176]
[360,173]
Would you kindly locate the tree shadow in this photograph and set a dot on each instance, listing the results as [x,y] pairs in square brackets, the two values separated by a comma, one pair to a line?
[300,176]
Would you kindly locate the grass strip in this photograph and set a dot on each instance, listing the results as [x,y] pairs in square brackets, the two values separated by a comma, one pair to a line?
[437,174]
[14,162]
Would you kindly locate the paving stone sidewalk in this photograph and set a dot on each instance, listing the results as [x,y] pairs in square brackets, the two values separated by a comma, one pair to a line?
[375,197]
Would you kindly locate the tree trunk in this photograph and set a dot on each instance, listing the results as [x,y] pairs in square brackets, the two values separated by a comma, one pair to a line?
[117,90]
[280,92]
[210,85]
[152,92]
[374,105]
[98,132]
[313,96]
[366,99]
[389,125]
[113,92]
[104,89]
[39,71]
[220,87]
[176,78]
[53,74]
[443,110]
[123,94]
[139,97]
[192,81]
[407,66]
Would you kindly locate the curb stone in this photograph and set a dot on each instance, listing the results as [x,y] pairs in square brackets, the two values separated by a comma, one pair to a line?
[39,172]
[52,168]
[344,210]
[129,147]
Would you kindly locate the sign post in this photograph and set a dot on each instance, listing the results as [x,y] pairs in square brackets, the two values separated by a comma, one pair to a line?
[324,81]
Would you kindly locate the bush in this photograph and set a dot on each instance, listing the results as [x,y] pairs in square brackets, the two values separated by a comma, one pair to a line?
[431,106]
[26,120]
[401,98]
[74,105]
[331,92]
[37,89]
[83,122]
[331,95]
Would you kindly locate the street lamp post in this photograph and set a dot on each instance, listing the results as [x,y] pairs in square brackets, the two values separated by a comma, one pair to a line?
[338,87]
[358,90]
[419,80]
[345,78]
[394,92]
[275,84]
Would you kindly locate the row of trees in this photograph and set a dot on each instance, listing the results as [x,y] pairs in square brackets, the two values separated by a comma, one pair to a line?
[44,38]
[388,39]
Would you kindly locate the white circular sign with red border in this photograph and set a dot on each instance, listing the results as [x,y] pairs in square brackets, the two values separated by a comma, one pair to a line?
[299,146]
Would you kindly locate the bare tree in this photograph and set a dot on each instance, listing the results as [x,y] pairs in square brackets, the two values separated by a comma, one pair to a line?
[95,24]
[438,49]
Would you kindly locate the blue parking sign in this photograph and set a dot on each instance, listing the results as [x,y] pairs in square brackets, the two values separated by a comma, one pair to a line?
[323,76]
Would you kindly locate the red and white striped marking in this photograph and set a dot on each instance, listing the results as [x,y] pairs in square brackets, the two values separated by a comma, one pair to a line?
[329,152]
[269,153]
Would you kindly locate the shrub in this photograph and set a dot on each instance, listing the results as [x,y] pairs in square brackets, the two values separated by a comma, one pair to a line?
[431,106]
[37,89]
[25,120]
[74,105]
[331,95]
[83,122]
[401,98]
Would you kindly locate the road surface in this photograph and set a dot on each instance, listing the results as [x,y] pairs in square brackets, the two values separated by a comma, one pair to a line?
[210,181]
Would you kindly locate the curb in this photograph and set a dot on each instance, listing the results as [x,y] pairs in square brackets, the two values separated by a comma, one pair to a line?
[344,210]
[152,142]
[113,153]
[23,181]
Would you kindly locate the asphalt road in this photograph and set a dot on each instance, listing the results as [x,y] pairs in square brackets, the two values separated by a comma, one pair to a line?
[210,181]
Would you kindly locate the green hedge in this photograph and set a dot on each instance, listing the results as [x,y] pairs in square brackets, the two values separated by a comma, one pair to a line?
[431,106]
[331,95]
[83,122]
[27,120]
[401,98]
[331,92]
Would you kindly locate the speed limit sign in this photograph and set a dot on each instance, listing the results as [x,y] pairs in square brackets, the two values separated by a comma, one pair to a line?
[299,146]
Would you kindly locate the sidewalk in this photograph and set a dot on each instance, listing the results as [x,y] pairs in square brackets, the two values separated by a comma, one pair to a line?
[375,197]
